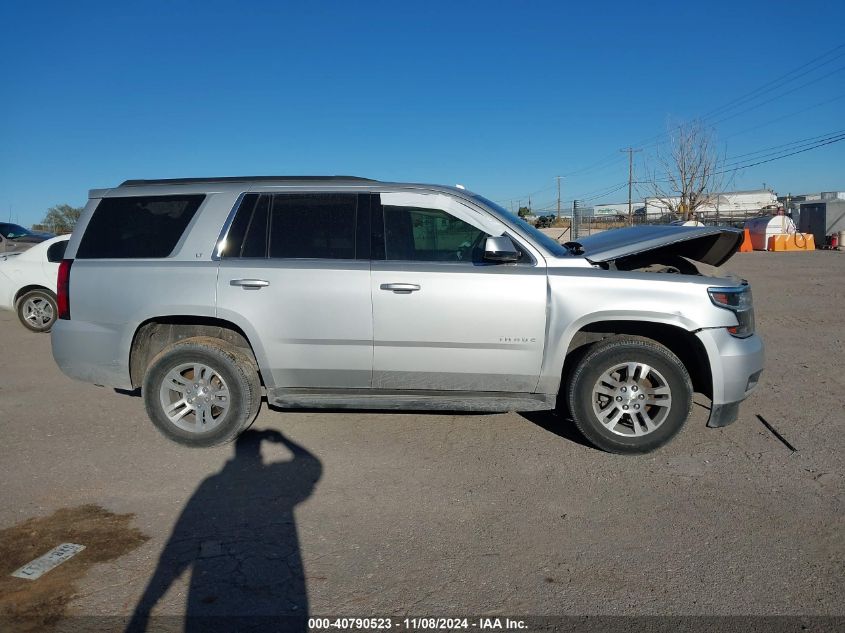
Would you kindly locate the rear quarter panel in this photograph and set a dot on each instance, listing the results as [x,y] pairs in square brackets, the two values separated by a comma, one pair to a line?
[111,298]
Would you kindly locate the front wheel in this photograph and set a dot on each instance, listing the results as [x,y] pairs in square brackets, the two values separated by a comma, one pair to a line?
[629,395]
[37,310]
[201,392]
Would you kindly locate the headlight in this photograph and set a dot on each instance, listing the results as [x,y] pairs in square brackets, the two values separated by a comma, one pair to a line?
[737,299]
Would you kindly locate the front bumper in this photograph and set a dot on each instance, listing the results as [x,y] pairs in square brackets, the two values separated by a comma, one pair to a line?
[735,366]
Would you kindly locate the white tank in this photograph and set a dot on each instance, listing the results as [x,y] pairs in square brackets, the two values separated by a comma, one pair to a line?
[760,229]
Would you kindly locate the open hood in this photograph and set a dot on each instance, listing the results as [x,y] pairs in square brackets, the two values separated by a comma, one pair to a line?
[638,246]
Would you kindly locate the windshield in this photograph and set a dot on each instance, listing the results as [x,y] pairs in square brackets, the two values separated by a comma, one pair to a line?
[11,231]
[554,247]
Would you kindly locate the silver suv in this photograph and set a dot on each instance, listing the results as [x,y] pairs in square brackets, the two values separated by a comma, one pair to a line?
[338,292]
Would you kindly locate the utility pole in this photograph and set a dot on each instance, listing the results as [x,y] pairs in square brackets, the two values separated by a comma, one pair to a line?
[630,151]
[558,197]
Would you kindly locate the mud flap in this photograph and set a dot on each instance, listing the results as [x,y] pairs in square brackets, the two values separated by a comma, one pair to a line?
[723,414]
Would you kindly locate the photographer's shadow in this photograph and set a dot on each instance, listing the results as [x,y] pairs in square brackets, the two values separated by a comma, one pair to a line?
[238,535]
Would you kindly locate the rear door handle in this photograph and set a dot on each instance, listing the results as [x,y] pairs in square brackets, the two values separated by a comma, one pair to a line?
[249,284]
[401,288]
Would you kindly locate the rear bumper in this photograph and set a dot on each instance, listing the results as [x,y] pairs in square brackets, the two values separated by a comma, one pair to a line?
[91,353]
[735,365]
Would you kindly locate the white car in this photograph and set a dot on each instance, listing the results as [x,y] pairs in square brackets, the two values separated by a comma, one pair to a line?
[28,283]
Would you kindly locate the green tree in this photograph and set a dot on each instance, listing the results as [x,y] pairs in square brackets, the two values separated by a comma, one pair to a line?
[523,211]
[61,218]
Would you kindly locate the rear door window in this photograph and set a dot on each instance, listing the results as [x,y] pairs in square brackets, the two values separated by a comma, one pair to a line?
[137,226]
[313,226]
[247,236]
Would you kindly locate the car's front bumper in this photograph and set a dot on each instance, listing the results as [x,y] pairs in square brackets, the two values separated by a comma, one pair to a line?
[735,365]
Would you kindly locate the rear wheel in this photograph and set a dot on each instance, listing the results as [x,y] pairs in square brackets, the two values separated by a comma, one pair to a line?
[37,310]
[629,395]
[202,392]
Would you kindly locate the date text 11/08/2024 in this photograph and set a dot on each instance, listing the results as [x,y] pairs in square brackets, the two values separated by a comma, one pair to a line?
[416,624]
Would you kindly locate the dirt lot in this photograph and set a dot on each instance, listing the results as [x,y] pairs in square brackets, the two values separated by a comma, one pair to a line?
[377,514]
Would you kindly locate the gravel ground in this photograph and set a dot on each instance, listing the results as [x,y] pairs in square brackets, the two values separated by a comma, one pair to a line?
[377,513]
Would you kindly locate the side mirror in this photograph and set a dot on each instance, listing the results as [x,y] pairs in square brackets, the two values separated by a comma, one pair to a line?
[501,250]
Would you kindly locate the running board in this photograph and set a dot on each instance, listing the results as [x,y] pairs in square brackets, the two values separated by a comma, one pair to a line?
[364,399]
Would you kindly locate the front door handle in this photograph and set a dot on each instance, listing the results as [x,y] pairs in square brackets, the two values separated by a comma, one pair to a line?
[401,288]
[250,284]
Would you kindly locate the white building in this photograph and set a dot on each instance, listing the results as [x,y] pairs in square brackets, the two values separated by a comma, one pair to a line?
[833,195]
[614,208]
[727,204]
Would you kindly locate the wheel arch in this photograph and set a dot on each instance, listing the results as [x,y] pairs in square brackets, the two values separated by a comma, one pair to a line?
[156,333]
[681,342]
[29,288]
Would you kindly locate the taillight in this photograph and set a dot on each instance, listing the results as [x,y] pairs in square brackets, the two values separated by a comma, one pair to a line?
[63,289]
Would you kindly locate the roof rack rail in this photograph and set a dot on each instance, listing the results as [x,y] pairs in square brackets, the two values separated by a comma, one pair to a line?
[189,181]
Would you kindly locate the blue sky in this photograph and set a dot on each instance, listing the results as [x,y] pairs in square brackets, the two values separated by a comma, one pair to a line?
[499,96]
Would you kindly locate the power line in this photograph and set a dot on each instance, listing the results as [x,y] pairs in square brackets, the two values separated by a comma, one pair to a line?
[798,142]
[599,193]
[522,197]
[605,193]
[786,116]
[760,91]
[607,161]
[775,83]
[732,164]
[585,197]
[800,151]
[732,167]
[792,75]
[780,95]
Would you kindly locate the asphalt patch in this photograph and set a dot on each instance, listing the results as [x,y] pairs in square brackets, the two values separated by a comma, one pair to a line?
[33,605]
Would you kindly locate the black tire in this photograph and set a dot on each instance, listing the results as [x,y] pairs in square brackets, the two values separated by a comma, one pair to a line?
[37,310]
[236,370]
[606,355]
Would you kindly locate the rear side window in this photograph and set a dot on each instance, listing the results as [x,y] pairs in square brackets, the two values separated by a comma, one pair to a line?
[137,227]
[56,252]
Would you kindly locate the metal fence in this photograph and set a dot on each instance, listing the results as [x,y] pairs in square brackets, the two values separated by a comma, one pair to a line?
[736,220]
[580,226]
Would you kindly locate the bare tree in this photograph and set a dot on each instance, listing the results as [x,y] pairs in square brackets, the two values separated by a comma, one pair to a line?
[689,173]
